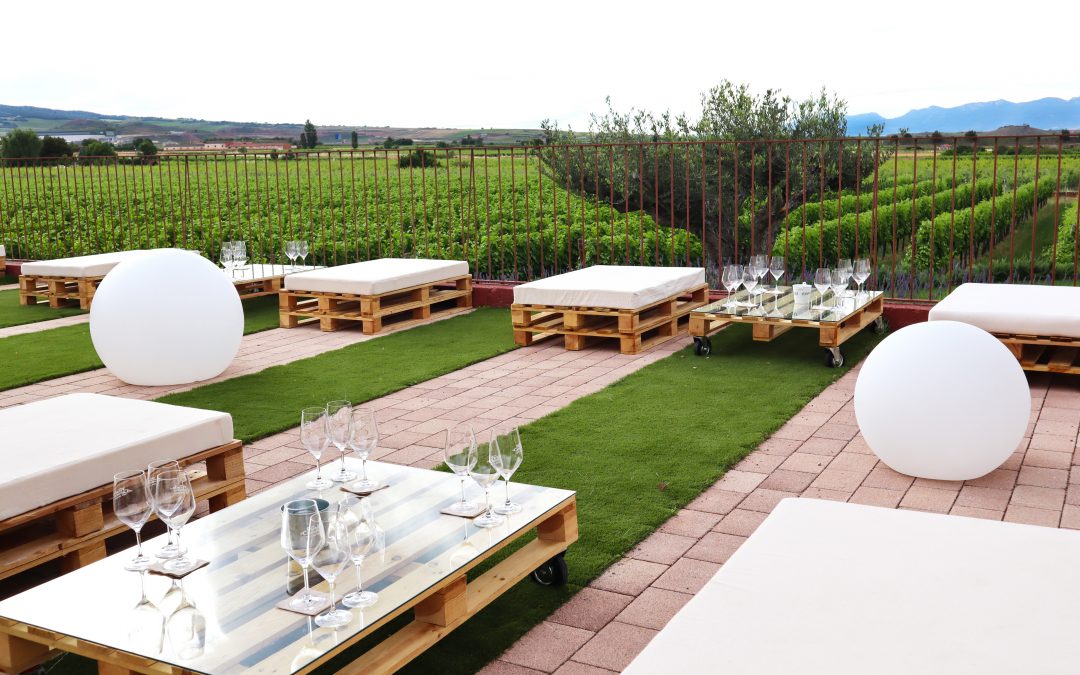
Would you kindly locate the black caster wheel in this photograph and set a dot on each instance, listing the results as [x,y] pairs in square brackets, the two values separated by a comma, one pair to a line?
[881,325]
[552,573]
[702,346]
[834,361]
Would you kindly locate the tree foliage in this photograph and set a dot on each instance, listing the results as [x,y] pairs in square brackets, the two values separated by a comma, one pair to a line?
[20,144]
[56,147]
[354,139]
[309,137]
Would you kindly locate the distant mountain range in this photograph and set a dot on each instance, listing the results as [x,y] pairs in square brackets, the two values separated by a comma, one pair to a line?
[1045,113]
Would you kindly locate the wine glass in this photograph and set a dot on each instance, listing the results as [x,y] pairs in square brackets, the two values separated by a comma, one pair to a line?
[845,267]
[761,267]
[776,271]
[732,279]
[340,422]
[460,455]
[174,502]
[290,253]
[506,455]
[228,255]
[838,280]
[822,281]
[750,280]
[154,469]
[315,436]
[187,628]
[241,254]
[302,536]
[330,562]
[131,504]
[861,273]
[302,251]
[362,539]
[364,439]
[484,473]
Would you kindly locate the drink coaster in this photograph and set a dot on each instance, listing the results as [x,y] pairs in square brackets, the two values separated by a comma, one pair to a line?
[364,493]
[318,608]
[476,510]
[159,568]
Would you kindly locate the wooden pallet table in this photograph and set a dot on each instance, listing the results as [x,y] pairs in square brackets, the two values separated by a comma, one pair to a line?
[334,311]
[778,314]
[427,567]
[75,529]
[58,291]
[253,281]
[635,329]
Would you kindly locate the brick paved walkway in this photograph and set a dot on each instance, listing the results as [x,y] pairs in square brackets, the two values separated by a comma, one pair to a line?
[38,326]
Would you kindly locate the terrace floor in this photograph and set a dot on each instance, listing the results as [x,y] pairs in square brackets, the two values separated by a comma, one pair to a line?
[818,453]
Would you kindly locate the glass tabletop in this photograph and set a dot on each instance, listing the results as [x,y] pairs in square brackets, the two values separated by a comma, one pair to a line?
[257,272]
[235,596]
[780,304]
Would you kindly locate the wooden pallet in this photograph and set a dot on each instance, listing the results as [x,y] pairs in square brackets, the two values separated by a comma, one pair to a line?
[766,328]
[259,287]
[635,329]
[1044,354]
[58,291]
[75,529]
[334,311]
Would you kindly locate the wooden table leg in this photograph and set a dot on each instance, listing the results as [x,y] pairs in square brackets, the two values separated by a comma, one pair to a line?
[17,655]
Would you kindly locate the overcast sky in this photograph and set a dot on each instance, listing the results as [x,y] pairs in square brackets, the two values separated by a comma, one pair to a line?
[513,64]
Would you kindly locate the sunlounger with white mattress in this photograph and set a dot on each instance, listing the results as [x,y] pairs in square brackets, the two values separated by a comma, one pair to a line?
[68,279]
[639,306]
[59,456]
[373,291]
[1039,324]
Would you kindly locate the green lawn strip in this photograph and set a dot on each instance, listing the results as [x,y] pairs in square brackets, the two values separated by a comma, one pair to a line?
[5,280]
[270,401]
[636,452]
[35,357]
[13,314]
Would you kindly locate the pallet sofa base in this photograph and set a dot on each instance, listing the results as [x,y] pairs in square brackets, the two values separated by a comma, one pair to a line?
[335,311]
[1044,354]
[58,291]
[635,329]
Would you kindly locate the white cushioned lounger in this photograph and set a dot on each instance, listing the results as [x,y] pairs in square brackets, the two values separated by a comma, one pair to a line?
[60,447]
[610,286]
[830,587]
[375,277]
[1019,309]
[80,266]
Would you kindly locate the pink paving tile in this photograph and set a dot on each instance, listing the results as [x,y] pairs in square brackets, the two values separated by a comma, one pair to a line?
[1017,513]
[804,462]
[1072,495]
[853,461]
[715,500]
[765,500]
[546,646]
[953,485]
[788,481]
[715,547]
[779,446]
[408,455]
[1043,477]
[973,512]
[1055,443]
[740,481]
[1038,497]
[1003,479]
[827,447]
[759,462]
[653,608]
[993,499]
[795,432]
[279,472]
[629,576]
[843,432]
[572,667]
[1074,475]
[686,575]
[690,523]
[615,646]
[883,477]
[929,499]
[500,667]
[662,547]
[839,480]
[872,496]
[1070,517]
[591,609]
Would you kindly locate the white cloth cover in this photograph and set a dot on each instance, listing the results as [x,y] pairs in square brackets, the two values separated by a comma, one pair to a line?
[376,277]
[1049,311]
[81,266]
[62,446]
[614,286]
[829,587]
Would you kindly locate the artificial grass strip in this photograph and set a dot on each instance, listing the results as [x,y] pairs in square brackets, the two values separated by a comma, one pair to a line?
[56,352]
[6,279]
[14,314]
[270,401]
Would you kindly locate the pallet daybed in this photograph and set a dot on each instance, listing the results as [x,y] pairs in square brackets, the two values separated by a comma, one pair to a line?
[638,306]
[375,292]
[68,280]
[60,455]
[1039,324]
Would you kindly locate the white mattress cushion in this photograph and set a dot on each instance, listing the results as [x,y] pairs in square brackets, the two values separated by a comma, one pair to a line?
[62,446]
[614,286]
[1049,311]
[830,587]
[80,266]
[376,277]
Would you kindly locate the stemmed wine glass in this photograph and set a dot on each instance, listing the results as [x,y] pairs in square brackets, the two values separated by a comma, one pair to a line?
[187,627]
[240,254]
[838,280]
[315,436]
[228,255]
[861,273]
[339,419]
[845,267]
[131,503]
[484,473]
[174,503]
[776,271]
[302,536]
[506,455]
[750,281]
[330,562]
[302,251]
[364,439]
[460,455]
[761,268]
[822,281]
[171,549]
[732,279]
[290,253]
[362,539]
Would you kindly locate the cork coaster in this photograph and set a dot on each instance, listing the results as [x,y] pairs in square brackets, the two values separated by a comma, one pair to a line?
[159,568]
[477,509]
[316,608]
[363,493]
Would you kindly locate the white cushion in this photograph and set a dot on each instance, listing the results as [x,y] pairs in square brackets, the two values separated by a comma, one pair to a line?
[62,446]
[376,277]
[97,265]
[614,286]
[829,587]
[1049,311]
